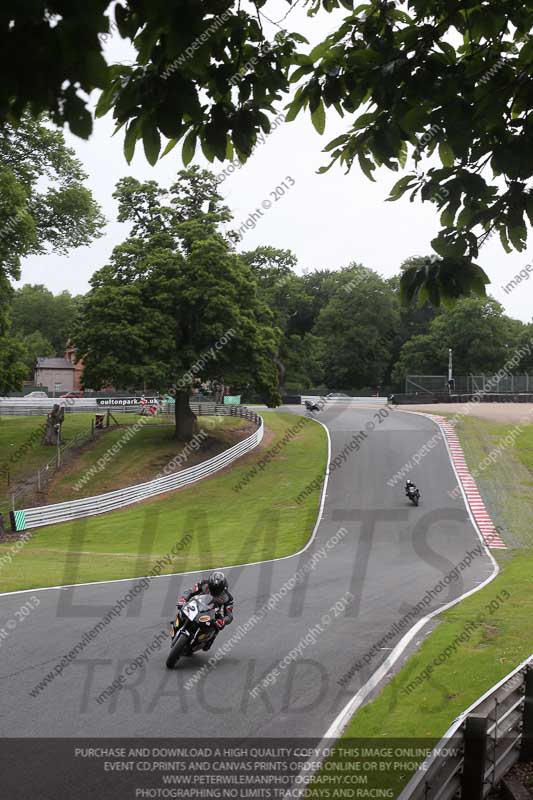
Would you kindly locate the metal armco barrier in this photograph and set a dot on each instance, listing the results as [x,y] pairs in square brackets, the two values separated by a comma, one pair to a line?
[482,745]
[90,506]
[313,398]
[42,409]
[493,397]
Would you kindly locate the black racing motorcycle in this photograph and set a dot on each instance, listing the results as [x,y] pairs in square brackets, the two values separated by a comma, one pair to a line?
[194,627]
[412,493]
[311,406]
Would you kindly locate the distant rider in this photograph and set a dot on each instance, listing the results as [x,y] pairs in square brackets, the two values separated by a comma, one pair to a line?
[217,586]
[410,489]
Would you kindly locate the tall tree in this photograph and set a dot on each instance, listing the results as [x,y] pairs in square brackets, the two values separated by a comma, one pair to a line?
[49,209]
[481,336]
[357,327]
[175,303]
[13,364]
[320,286]
[44,206]
[303,361]
[284,293]
[36,310]
[35,346]
[415,320]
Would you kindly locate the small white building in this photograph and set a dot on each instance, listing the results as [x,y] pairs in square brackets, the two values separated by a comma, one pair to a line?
[55,374]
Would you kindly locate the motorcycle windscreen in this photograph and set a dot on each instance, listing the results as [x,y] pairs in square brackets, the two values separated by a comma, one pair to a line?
[205,602]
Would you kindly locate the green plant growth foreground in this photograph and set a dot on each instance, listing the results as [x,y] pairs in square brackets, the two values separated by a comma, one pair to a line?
[491,629]
[229,524]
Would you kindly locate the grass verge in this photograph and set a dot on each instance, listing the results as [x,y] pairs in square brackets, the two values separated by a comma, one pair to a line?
[143,456]
[491,628]
[140,454]
[261,521]
[21,448]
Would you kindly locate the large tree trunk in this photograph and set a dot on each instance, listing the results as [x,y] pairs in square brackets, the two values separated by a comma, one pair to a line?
[54,421]
[280,366]
[185,419]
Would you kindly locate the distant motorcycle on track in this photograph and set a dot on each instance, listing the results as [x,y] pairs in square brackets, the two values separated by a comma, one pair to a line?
[195,625]
[412,492]
[311,406]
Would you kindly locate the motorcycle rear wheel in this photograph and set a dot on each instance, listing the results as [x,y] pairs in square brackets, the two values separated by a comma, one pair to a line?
[176,652]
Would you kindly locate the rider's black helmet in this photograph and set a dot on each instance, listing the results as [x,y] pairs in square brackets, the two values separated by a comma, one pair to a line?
[217,582]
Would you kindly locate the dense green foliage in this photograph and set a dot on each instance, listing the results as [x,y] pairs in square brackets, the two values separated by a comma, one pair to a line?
[177,286]
[44,206]
[414,79]
[481,336]
[176,303]
[328,329]
[347,330]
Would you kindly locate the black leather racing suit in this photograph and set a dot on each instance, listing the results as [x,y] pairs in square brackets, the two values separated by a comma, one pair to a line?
[223,603]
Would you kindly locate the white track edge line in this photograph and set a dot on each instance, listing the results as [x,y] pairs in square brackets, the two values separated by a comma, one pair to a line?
[342,719]
[195,571]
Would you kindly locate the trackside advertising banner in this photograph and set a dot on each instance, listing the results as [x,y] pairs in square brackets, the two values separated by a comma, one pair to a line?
[117,402]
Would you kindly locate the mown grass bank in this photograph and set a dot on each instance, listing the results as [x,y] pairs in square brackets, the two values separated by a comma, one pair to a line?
[229,525]
[491,629]
[140,450]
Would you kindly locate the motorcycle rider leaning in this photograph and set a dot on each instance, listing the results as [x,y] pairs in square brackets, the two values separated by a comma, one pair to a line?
[217,586]
[410,489]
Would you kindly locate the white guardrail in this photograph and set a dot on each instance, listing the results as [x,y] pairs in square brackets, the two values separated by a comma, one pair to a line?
[373,400]
[482,744]
[15,406]
[90,506]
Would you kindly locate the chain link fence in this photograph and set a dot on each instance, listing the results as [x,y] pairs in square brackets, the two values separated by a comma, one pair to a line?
[469,384]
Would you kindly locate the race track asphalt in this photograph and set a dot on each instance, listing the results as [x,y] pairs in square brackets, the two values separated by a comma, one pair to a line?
[391,555]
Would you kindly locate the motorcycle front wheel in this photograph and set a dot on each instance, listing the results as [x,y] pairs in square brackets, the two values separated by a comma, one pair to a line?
[176,651]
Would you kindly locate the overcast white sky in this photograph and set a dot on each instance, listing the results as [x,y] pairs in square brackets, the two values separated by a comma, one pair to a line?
[327,220]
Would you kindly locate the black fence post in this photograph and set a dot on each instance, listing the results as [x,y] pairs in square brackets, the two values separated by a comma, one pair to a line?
[526,749]
[475,757]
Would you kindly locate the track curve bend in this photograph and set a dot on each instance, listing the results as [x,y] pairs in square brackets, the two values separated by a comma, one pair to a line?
[373,561]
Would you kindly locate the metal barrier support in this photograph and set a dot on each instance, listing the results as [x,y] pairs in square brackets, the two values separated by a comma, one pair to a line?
[489,737]
[475,756]
[23,519]
[526,750]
